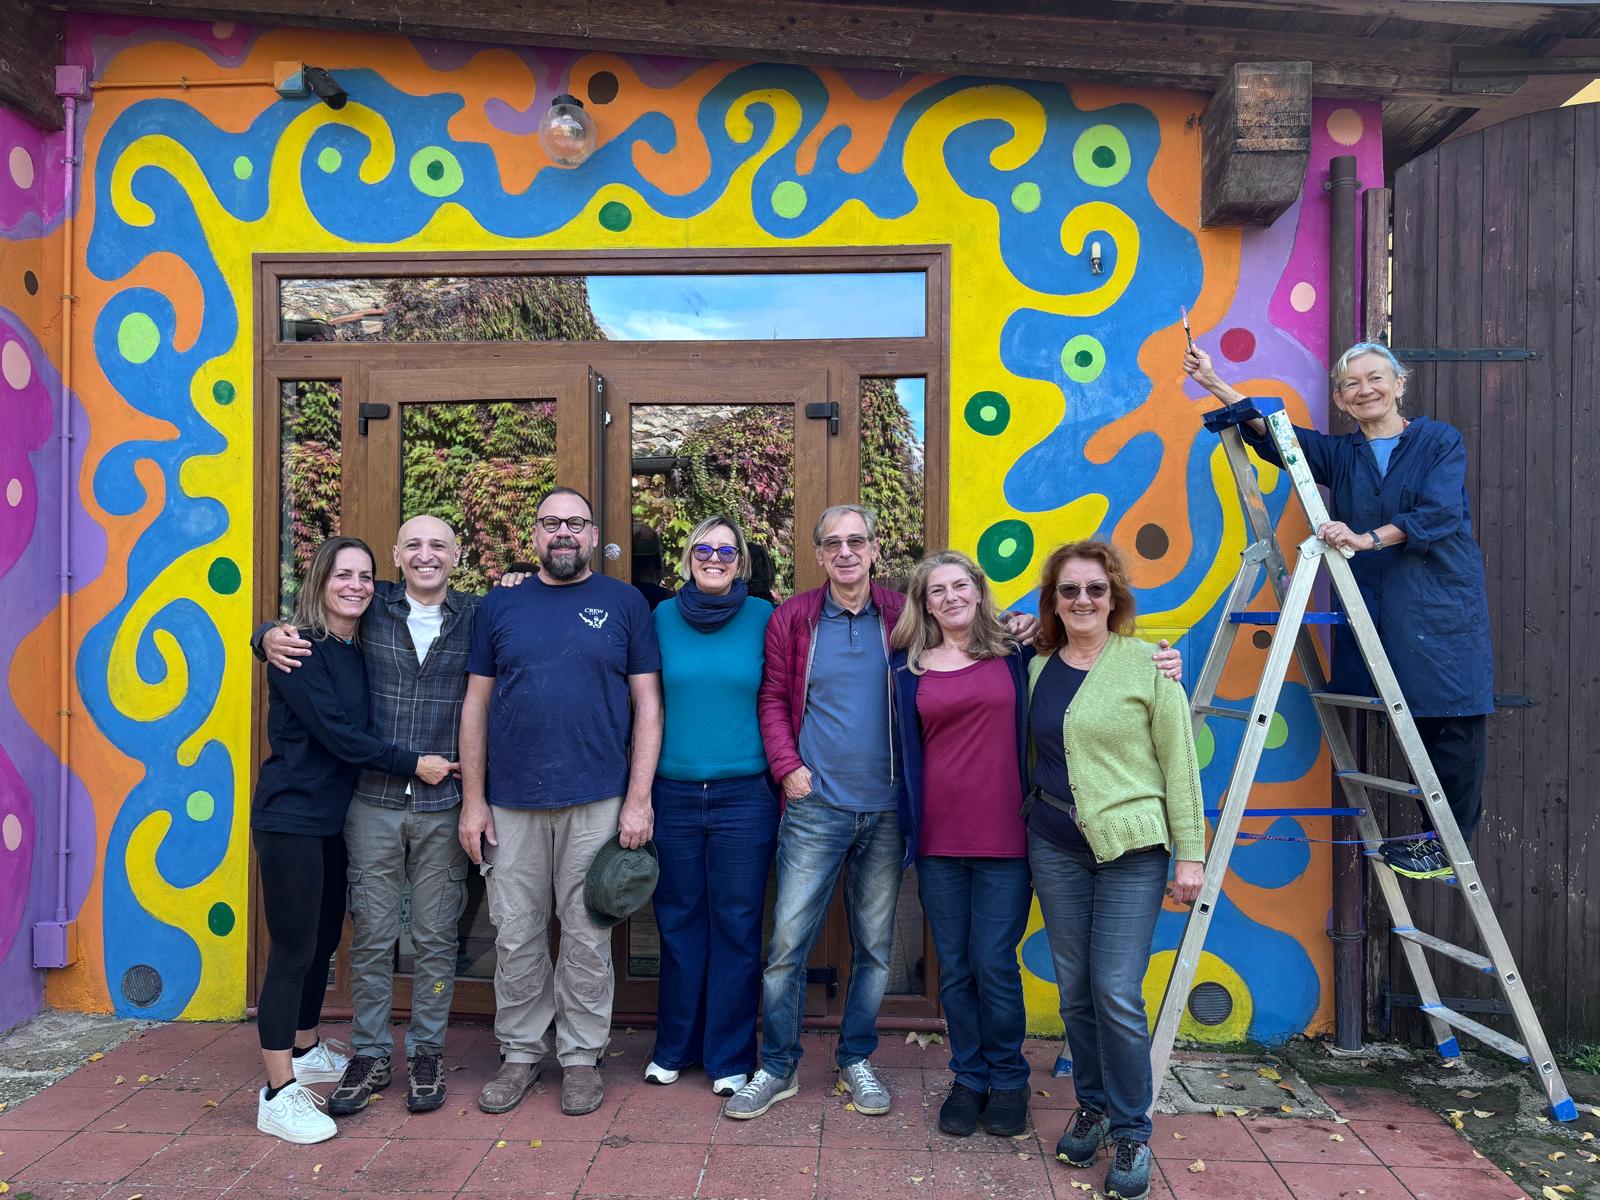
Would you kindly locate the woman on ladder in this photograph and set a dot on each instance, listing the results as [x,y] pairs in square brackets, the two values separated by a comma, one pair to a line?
[1398,497]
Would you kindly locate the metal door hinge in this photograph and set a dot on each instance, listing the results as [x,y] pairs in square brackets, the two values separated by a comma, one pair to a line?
[370,412]
[826,410]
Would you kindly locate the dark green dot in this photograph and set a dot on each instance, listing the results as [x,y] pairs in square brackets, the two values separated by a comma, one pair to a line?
[223,576]
[435,169]
[1083,358]
[988,412]
[220,919]
[222,392]
[615,216]
[1005,549]
[1103,157]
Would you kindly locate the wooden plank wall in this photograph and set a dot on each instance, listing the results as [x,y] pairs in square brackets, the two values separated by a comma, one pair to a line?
[1497,243]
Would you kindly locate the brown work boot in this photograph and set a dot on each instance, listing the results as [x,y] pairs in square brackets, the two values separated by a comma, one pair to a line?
[505,1091]
[581,1090]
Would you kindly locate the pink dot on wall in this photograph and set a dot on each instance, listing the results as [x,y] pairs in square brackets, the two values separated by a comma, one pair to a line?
[1238,344]
[1345,126]
[11,831]
[14,493]
[14,365]
[1302,296]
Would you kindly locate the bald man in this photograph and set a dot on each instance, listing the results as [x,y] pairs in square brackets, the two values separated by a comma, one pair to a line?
[415,638]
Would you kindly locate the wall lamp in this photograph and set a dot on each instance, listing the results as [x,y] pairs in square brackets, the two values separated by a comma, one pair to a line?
[567,131]
[299,81]
[1096,263]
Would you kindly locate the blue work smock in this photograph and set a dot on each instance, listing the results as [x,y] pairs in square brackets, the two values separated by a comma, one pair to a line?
[1427,595]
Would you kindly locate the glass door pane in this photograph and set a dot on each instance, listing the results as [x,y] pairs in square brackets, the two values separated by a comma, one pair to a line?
[310,416]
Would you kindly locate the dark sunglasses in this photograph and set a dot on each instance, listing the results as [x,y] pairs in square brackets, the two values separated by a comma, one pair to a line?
[1096,590]
[724,554]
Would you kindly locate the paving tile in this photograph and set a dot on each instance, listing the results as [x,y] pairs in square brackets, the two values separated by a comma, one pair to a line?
[234,1113]
[668,1114]
[1204,1137]
[1023,1175]
[326,1166]
[459,1120]
[849,1173]
[423,1165]
[518,1169]
[1429,1143]
[669,1171]
[19,1148]
[1048,1092]
[159,1191]
[1223,1180]
[894,1051]
[771,1172]
[384,1115]
[540,1116]
[52,1189]
[904,1126]
[796,1121]
[153,1110]
[100,1158]
[1459,1183]
[1341,1181]
[64,1107]
[204,1160]
[1372,1104]
[1301,1141]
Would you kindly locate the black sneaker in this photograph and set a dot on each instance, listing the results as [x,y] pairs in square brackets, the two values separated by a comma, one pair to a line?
[1128,1177]
[1084,1137]
[1420,858]
[425,1083]
[361,1078]
[1007,1114]
[958,1115]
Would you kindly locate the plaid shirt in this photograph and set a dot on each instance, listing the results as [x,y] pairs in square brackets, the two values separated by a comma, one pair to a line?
[417,707]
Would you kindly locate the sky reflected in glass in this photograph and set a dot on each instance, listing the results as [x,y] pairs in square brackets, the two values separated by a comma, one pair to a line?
[673,308]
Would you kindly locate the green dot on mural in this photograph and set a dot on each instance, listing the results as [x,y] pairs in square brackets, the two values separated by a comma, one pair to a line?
[789,199]
[1101,155]
[988,412]
[1205,746]
[1005,549]
[223,576]
[1277,732]
[329,159]
[138,338]
[615,216]
[200,806]
[222,392]
[243,168]
[220,919]
[1083,358]
[1025,197]
[436,172]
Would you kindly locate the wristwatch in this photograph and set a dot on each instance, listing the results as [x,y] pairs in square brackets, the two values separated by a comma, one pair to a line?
[1377,542]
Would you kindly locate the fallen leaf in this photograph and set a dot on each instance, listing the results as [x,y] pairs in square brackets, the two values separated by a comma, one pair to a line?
[4,1188]
[851,1107]
[535,1143]
[1549,1193]
[1268,1073]
[1595,1110]
[500,1145]
[1565,1189]
[96,1056]
[1025,1157]
[458,1067]
[1556,1155]
[918,1178]
[1286,1087]
[615,1053]
[805,1170]
[374,1098]
[1177,1137]
[144,1079]
[1455,1121]
[1082,1187]
[1466,1095]
[1586,1136]
[1542,1120]
[1217,1112]
[1475,1154]
[1046,1095]
[317,1170]
[119,1079]
[1222,1075]
[1198,1165]
[1336,1137]
[1481,1114]
[1240,1112]
[911,1038]
[1288,1108]
[209,1104]
[840,1087]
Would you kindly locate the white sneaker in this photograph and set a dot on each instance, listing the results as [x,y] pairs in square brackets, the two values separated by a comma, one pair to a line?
[323,1063]
[295,1115]
[729,1084]
[653,1073]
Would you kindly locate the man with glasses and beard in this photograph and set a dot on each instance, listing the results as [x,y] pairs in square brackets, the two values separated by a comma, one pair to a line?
[572,667]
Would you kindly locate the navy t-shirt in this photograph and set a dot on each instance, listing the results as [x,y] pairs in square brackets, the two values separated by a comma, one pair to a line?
[560,718]
[1052,694]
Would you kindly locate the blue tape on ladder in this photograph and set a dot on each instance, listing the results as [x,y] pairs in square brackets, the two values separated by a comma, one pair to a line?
[1292,812]
[1271,618]
[1063,1067]
[1565,1111]
[1450,1048]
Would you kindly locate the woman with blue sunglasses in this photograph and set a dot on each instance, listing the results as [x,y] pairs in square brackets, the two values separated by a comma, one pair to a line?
[716,814]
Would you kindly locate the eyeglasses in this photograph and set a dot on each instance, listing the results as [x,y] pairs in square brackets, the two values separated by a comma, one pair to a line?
[833,545]
[573,524]
[1096,590]
[724,554]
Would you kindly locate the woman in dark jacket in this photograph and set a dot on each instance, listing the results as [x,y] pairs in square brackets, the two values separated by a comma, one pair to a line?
[317,724]
[1398,497]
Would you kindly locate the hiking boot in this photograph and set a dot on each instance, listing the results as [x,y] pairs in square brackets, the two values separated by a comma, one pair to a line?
[1420,858]
[866,1091]
[581,1090]
[759,1094]
[362,1077]
[323,1063]
[1083,1137]
[510,1083]
[295,1115]
[425,1082]
[958,1115]
[1128,1176]
[1007,1114]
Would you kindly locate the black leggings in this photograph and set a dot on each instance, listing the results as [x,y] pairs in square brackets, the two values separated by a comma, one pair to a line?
[302,895]
[1458,749]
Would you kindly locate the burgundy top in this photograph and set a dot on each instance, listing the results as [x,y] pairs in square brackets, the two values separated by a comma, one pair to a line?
[972,782]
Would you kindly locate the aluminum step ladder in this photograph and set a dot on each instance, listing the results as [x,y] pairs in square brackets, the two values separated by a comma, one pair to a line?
[1293,638]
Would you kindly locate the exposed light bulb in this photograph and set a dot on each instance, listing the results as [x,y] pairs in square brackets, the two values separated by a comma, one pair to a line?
[567,131]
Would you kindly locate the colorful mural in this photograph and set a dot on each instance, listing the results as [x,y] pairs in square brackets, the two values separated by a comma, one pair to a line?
[1068,411]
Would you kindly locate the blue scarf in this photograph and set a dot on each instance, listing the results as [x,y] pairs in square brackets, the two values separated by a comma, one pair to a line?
[706,612]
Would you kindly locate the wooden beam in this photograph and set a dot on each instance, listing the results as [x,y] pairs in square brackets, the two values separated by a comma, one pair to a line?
[1375,264]
[1046,47]
[30,48]
[1511,16]
[1255,138]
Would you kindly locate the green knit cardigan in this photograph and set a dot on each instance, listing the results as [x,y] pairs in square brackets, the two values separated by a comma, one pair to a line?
[1131,757]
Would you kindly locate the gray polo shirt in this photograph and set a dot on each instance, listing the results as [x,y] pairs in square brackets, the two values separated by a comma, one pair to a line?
[844,734]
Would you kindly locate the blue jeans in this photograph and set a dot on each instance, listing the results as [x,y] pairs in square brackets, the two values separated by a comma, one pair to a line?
[977,910]
[1099,918]
[715,841]
[815,843]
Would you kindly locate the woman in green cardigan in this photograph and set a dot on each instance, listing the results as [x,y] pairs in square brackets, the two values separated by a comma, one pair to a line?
[1115,796]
